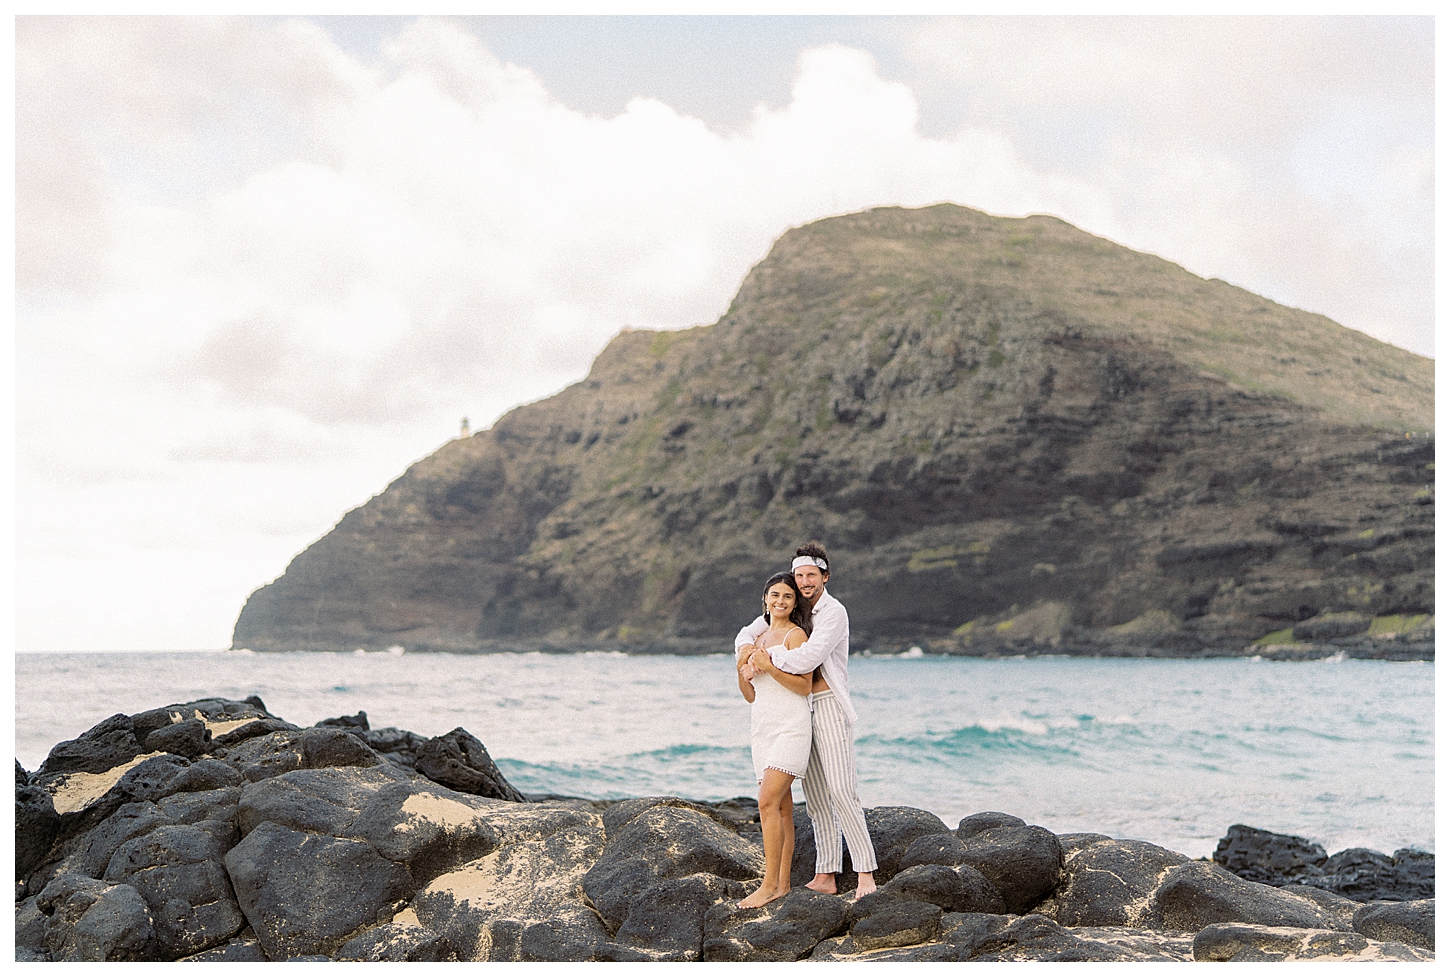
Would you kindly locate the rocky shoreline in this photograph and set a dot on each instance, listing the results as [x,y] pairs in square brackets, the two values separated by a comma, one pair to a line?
[1304,642]
[216,831]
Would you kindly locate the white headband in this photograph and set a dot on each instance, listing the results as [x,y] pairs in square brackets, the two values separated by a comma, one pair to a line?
[809,561]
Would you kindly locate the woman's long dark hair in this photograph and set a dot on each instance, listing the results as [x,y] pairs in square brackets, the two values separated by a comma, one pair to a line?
[800,615]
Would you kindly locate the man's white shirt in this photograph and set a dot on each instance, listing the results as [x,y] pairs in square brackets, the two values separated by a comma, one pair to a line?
[828,646]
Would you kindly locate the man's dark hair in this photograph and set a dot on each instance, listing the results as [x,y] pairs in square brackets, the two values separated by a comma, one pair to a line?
[815,549]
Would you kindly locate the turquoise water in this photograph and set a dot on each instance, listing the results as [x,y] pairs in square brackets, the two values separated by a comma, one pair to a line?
[1171,752]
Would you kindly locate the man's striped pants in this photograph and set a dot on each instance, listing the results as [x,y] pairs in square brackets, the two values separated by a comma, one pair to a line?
[830,788]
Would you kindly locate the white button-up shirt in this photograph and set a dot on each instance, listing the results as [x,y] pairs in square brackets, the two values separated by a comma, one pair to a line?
[828,646]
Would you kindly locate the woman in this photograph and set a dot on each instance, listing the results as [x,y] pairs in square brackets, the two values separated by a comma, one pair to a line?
[780,730]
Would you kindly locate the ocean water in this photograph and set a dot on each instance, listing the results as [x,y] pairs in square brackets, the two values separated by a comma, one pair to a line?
[1171,752]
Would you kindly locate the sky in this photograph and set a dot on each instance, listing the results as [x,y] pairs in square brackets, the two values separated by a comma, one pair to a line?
[263,264]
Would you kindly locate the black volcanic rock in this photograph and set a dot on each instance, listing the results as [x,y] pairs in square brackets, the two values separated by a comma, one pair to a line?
[619,814]
[460,761]
[1340,909]
[1035,937]
[669,916]
[1013,437]
[398,943]
[897,922]
[242,948]
[1365,875]
[228,715]
[255,729]
[956,889]
[204,774]
[942,849]
[354,724]
[1359,874]
[1263,856]
[187,739]
[92,921]
[178,871]
[1109,884]
[397,746]
[1404,922]
[894,830]
[36,823]
[1415,873]
[677,841]
[277,871]
[787,929]
[1198,894]
[107,744]
[1024,862]
[975,824]
[1076,840]
[89,853]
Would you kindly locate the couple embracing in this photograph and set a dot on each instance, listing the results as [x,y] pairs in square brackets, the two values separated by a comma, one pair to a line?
[791,663]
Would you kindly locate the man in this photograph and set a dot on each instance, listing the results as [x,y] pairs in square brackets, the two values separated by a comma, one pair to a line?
[830,780]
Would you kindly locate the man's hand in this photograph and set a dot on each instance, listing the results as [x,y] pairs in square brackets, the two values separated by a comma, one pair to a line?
[742,662]
[760,661]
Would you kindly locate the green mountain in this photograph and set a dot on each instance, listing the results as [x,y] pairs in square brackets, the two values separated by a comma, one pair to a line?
[1007,433]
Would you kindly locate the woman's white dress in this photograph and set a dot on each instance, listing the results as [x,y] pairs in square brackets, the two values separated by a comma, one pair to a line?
[780,726]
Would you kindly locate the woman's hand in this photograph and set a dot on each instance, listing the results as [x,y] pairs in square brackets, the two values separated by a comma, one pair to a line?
[760,661]
[744,673]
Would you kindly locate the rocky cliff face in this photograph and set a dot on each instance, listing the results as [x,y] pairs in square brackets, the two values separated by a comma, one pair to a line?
[1009,434]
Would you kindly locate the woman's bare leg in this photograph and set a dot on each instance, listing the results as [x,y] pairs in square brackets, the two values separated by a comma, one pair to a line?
[787,842]
[772,787]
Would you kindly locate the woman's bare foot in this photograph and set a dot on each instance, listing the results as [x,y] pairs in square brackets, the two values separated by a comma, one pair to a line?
[865,884]
[823,882]
[761,896]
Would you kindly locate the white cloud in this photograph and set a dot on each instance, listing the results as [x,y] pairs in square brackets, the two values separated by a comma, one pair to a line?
[257,277]
[1292,156]
[1222,80]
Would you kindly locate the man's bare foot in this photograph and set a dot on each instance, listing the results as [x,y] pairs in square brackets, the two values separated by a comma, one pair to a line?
[823,882]
[865,884]
[761,896]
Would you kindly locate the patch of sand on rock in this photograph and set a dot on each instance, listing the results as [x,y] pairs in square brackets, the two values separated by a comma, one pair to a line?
[219,727]
[473,884]
[450,815]
[527,881]
[515,822]
[525,877]
[78,790]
